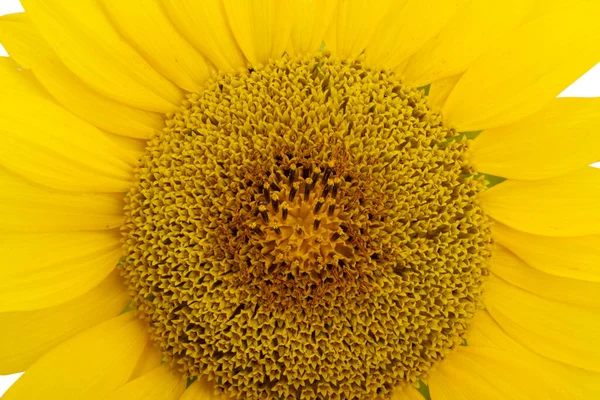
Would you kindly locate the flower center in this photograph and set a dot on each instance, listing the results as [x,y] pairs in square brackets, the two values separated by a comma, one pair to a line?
[307,229]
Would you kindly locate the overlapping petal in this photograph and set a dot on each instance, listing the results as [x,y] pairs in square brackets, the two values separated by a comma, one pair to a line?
[33,333]
[562,206]
[354,25]
[162,383]
[89,365]
[46,269]
[44,142]
[525,70]
[559,139]
[201,390]
[574,257]
[494,366]
[89,45]
[310,21]
[205,25]
[405,28]
[556,330]
[440,90]
[146,26]
[26,46]
[468,34]
[517,272]
[28,207]
[262,28]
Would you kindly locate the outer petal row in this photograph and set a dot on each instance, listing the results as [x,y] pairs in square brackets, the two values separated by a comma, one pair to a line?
[556,330]
[561,206]
[91,364]
[557,140]
[44,142]
[27,47]
[33,333]
[426,39]
[86,41]
[43,270]
[494,366]
[526,70]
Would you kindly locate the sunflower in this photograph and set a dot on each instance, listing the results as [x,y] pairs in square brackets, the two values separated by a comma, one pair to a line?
[303,199]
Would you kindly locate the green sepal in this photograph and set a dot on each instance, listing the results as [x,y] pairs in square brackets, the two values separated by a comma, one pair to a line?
[128,307]
[424,390]
[425,89]
[190,381]
[492,180]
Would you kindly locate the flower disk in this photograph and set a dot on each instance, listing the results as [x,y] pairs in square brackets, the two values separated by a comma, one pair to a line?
[306,229]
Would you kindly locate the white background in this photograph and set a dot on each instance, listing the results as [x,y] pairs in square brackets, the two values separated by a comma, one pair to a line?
[586,86]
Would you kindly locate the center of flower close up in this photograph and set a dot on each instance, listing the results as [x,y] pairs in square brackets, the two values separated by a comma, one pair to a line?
[306,229]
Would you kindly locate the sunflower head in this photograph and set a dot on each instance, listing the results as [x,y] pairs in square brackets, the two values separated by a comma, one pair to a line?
[312,222]
[307,199]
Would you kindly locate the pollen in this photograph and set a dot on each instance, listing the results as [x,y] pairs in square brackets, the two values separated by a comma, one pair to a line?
[306,229]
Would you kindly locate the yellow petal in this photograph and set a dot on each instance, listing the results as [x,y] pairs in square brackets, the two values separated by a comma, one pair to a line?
[311,20]
[49,145]
[464,376]
[556,330]
[561,206]
[399,70]
[93,363]
[201,390]
[446,386]
[407,393]
[162,383]
[515,271]
[262,28]
[132,150]
[150,359]
[470,32]
[569,257]
[559,139]
[542,7]
[474,372]
[354,24]
[33,333]
[88,44]
[145,25]
[405,28]
[25,44]
[440,90]
[204,23]
[484,332]
[526,69]
[46,269]
[26,207]
[559,381]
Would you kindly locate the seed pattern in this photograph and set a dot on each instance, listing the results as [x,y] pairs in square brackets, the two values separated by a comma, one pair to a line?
[307,229]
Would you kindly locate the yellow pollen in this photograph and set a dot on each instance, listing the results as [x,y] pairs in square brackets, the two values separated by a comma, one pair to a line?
[307,229]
